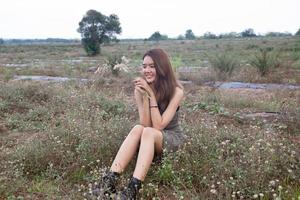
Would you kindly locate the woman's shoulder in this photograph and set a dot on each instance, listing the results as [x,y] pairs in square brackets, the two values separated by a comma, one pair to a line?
[179,91]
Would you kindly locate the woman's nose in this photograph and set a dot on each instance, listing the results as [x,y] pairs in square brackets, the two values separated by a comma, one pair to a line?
[147,69]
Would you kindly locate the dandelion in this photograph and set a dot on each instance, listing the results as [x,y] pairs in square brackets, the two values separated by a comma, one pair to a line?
[255,196]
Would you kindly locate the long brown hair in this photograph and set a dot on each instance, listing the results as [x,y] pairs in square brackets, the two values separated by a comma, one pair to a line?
[166,82]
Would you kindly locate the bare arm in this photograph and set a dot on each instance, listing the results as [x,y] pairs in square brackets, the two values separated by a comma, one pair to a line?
[142,102]
[161,121]
[154,118]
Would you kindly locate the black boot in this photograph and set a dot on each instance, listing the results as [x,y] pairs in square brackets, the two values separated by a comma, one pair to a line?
[131,191]
[106,187]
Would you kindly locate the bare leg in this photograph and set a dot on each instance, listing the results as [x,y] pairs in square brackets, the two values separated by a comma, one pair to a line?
[127,149]
[151,142]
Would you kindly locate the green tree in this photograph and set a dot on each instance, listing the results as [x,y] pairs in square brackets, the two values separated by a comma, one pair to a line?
[96,29]
[189,35]
[298,32]
[277,34]
[229,35]
[209,35]
[180,37]
[248,33]
[156,36]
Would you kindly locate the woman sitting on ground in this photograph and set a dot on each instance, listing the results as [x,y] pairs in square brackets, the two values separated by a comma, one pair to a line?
[158,95]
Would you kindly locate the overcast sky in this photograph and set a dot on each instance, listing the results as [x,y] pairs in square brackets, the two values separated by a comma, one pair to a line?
[140,18]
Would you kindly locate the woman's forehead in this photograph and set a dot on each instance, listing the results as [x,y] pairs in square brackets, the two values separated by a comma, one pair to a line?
[148,60]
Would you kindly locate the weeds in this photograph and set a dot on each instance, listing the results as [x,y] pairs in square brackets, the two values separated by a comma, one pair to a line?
[116,64]
[223,65]
[57,139]
[264,61]
[176,62]
[214,108]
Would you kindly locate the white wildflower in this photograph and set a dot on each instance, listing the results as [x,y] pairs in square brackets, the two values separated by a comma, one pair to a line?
[214,191]
[261,194]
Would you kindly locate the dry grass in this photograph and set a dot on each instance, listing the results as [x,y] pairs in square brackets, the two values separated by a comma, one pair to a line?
[57,138]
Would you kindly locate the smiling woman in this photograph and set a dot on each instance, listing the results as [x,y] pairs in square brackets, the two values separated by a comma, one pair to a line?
[149,69]
[158,96]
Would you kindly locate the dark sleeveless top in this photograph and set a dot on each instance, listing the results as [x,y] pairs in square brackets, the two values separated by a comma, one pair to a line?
[174,123]
[173,136]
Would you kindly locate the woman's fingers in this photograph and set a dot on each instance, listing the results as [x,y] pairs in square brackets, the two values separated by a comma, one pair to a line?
[139,83]
[142,91]
[142,85]
[139,89]
[139,80]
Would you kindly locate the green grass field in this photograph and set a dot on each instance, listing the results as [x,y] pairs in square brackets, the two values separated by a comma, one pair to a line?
[57,138]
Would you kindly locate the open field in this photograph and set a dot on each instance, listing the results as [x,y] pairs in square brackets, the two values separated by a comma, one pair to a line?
[56,138]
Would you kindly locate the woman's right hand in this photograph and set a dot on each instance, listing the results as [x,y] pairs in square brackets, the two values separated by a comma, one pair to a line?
[140,93]
[142,86]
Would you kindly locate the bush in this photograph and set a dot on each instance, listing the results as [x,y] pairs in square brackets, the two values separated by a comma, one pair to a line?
[264,61]
[223,64]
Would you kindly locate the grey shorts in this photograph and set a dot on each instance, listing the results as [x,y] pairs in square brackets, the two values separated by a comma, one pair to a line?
[173,139]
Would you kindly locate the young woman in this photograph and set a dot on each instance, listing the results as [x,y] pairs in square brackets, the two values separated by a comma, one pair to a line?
[158,95]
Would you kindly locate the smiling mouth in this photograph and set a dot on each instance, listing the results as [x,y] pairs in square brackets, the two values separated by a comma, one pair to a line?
[148,76]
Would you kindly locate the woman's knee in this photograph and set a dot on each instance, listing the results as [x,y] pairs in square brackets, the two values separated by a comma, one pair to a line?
[154,136]
[149,132]
[136,131]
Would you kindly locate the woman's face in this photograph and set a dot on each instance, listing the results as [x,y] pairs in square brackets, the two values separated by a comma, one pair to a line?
[149,70]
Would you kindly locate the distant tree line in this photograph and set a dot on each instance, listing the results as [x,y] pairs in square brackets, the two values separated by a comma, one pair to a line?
[39,41]
[247,33]
[97,29]
[156,36]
